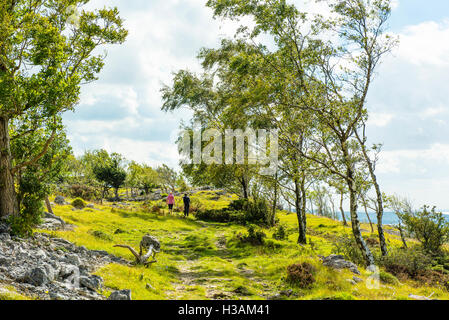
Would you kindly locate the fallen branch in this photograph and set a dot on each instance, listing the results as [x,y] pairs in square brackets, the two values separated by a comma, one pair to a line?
[147,243]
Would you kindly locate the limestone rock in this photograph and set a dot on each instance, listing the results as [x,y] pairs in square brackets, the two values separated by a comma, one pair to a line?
[120,295]
[338,262]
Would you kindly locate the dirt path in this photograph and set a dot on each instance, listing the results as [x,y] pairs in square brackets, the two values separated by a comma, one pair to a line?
[216,284]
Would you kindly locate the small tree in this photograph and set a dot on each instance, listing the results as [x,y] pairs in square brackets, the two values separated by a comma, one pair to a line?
[111,173]
[167,177]
[429,227]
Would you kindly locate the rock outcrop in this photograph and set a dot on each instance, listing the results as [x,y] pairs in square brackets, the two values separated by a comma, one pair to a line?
[51,268]
[338,262]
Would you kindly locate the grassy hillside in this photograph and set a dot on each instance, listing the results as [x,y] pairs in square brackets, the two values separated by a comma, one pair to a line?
[202,260]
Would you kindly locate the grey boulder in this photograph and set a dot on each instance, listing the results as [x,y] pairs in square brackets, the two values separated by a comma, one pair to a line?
[120,295]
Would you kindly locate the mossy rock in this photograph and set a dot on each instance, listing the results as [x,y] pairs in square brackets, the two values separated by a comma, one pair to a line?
[387,278]
[78,203]
[101,235]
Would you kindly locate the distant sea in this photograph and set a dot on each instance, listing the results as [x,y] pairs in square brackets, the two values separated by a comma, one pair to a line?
[389,217]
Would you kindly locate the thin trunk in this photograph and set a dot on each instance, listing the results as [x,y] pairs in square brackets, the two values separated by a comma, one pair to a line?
[345,223]
[8,199]
[401,232]
[304,205]
[380,214]
[48,204]
[366,252]
[116,194]
[244,188]
[273,214]
[367,215]
[302,239]
[380,207]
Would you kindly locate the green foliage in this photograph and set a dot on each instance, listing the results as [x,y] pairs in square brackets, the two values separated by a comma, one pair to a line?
[101,235]
[254,236]
[280,233]
[301,275]
[111,172]
[387,278]
[429,227]
[167,178]
[84,192]
[406,262]
[31,194]
[78,203]
[348,248]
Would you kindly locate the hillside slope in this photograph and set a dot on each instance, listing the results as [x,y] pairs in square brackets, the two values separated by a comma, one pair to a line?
[203,260]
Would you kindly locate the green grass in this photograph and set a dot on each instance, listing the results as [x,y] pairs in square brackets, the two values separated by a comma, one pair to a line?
[9,293]
[201,260]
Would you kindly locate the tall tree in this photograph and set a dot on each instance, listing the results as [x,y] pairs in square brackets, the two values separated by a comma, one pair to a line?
[327,77]
[44,58]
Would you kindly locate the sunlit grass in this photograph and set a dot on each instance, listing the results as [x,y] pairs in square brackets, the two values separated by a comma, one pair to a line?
[193,265]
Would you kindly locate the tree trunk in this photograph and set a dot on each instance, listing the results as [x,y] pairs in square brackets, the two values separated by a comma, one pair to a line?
[366,252]
[304,205]
[380,214]
[244,188]
[350,180]
[275,200]
[369,219]
[401,232]
[48,204]
[8,199]
[302,239]
[380,207]
[345,223]
[116,194]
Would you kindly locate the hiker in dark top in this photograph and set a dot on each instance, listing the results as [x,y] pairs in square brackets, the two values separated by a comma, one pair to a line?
[186,201]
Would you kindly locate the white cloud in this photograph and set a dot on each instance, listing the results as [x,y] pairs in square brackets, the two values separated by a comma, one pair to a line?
[425,44]
[380,119]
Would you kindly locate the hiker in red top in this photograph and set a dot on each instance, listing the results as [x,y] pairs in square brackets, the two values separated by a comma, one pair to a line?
[170,202]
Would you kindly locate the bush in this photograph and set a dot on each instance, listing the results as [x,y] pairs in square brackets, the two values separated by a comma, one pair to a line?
[155,209]
[239,211]
[387,278]
[280,233]
[84,192]
[101,235]
[31,195]
[301,274]
[254,236]
[79,203]
[406,263]
[429,227]
[348,248]
[256,211]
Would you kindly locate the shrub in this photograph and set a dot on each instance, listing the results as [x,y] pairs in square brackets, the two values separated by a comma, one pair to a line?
[78,203]
[280,233]
[239,211]
[429,227]
[155,209]
[101,235]
[387,278]
[406,263]
[348,248]
[254,236]
[31,194]
[256,211]
[195,206]
[84,192]
[301,274]
[272,244]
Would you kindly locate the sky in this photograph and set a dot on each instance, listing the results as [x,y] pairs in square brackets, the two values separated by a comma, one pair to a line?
[408,101]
